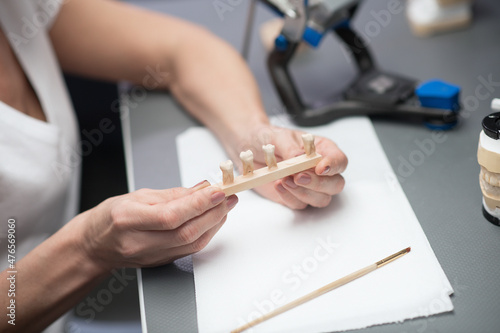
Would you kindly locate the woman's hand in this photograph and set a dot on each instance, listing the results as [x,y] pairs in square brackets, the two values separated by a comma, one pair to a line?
[314,187]
[153,227]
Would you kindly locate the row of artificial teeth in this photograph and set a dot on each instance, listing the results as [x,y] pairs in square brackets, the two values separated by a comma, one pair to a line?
[492,191]
[491,178]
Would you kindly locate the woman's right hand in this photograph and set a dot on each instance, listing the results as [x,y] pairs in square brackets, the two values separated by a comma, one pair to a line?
[153,227]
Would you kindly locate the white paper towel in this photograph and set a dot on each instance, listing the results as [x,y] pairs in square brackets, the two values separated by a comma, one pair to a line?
[267,255]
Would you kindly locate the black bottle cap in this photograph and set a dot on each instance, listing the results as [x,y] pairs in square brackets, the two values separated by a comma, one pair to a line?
[491,125]
[491,218]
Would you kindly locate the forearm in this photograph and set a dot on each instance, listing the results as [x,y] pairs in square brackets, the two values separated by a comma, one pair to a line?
[212,81]
[50,280]
[114,41]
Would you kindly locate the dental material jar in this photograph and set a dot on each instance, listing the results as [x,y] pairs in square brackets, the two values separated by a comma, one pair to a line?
[488,157]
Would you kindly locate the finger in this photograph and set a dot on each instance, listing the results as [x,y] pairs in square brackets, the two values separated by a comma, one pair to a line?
[288,146]
[329,185]
[170,215]
[203,241]
[167,255]
[192,230]
[308,197]
[334,160]
[149,196]
[288,198]
[140,244]
[157,196]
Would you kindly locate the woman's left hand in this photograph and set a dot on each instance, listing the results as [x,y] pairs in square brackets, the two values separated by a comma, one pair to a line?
[314,187]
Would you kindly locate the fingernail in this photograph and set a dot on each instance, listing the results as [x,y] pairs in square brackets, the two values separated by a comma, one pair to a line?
[290,183]
[304,179]
[281,188]
[232,201]
[218,197]
[327,170]
[200,185]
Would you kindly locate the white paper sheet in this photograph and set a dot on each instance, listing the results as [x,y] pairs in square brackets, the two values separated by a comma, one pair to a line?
[267,255]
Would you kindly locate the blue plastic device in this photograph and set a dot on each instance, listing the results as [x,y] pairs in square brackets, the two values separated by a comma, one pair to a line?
[438,94]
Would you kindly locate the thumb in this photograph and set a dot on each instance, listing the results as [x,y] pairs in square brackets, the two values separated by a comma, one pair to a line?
[166,195]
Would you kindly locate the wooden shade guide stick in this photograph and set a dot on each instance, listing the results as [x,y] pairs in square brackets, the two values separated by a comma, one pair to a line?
[323,290]
[264,175]
[252,178]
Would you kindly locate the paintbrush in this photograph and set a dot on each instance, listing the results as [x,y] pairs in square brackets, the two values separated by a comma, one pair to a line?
[323,290]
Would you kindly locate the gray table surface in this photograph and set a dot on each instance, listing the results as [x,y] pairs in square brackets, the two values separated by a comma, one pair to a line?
[442,189]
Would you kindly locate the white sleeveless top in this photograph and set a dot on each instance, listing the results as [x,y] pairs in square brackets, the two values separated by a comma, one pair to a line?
[39,161]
